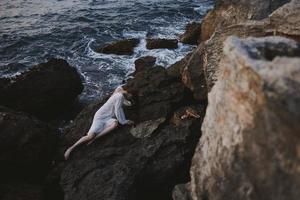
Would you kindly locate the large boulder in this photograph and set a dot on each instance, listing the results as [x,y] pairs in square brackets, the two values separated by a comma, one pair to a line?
[242,27]
[27,146]
[257,9]
[46,90]
[250,144]
[158,43]
[122,47]
[229,12]
[192,34]
[142,162]
[285,21]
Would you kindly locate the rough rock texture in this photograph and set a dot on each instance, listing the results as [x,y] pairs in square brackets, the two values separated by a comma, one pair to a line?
[27,146]
[228,12]
[192,34]
[228,21]
[181,192]
[145,129]
[257,9]
[176,69]
[250,147]
[121,166]
[213,48]
[46,90]
[285,21]
[122,47]
[193,74]
[161,43]
[144,63]
[190,71]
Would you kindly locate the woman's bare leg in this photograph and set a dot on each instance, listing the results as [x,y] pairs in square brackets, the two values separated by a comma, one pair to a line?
[84,139]
[106,130]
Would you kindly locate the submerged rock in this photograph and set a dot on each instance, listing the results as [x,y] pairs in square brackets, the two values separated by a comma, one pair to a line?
[126,167]
[144,63]
[122,47]
[46,90]
[192,34]
[250,143]
[161,43]
[27,146]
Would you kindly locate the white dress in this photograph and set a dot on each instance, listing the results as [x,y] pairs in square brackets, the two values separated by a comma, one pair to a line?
[110,112]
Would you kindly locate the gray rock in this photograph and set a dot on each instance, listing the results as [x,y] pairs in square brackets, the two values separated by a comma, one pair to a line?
[145,129]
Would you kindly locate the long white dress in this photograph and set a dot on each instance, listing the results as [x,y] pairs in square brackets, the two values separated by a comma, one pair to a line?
[110,112]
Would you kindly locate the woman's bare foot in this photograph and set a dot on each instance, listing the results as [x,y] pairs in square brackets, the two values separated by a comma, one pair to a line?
[67,153]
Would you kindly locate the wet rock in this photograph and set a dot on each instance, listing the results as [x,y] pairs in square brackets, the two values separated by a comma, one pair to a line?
[162,43]
[27,146]
[46,90]
[127,167]
[144,63]
[250,143]
[192,34]
[122,47]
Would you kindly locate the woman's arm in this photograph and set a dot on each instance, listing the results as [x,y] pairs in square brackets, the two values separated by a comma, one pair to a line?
[119,112]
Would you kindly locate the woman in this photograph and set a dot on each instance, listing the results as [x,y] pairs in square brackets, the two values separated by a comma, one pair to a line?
[106,118]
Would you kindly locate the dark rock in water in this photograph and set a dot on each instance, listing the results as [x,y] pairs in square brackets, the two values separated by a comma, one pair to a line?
[122,47]
[46,90]
[162,43]
[192,34]
[27,146]
[177,68]
[144,63]
[125,166]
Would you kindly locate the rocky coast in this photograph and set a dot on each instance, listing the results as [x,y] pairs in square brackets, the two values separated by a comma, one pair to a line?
[220,124]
